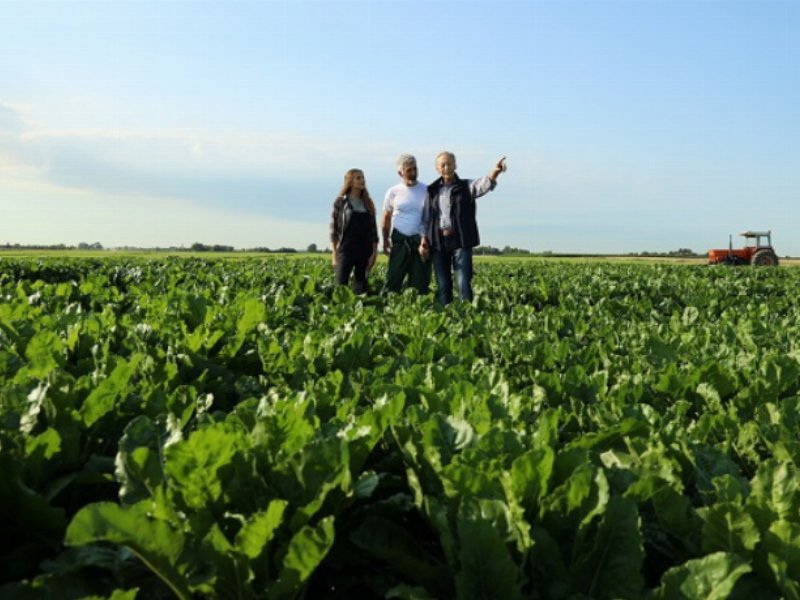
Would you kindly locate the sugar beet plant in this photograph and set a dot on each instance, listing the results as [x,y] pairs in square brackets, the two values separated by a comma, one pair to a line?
[242,429]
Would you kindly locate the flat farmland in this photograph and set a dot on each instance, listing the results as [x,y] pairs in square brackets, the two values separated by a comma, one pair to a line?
[199,427]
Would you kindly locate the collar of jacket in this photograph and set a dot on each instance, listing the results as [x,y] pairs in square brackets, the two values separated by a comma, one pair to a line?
[436,185]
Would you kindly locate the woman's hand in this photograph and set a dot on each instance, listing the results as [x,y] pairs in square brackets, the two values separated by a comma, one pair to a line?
[372,258]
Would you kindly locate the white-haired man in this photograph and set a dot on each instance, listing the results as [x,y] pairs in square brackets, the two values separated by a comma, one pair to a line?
[402,230]
[452,231]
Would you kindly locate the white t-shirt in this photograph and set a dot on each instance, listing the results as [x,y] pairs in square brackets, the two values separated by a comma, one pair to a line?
[405,203]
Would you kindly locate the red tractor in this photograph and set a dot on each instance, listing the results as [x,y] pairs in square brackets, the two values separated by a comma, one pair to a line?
[758,251]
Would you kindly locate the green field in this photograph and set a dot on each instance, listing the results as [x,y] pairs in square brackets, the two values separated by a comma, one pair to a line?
[200,427]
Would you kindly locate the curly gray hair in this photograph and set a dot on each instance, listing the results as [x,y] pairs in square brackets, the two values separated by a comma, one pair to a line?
[405,159]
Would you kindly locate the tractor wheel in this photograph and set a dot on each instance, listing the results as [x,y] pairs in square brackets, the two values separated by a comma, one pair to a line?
[764,258]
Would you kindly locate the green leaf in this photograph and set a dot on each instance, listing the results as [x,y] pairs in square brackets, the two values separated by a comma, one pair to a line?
[612,566]
[157,543]
[444,436]
[215,570]
[195,466]
[46,444]
[42,453]
[400,549]
[124,594]
[316,471]
[106,396]
[578,500]
[306,550]
[486,568]
[774,492]
[137,464]
[709,578]
[366,484]
[782,545]
[728,528]
[253,313]
[45,352]
[259,529]
[530,475]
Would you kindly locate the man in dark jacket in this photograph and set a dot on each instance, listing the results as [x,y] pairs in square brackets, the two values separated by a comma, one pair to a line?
[451,228]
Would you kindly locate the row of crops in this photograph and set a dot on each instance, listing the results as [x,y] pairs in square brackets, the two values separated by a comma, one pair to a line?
[244,429]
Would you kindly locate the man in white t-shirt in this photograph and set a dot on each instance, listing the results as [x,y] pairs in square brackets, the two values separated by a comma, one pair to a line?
[403,229]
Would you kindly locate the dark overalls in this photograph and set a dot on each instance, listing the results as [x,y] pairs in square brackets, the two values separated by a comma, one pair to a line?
[353,252]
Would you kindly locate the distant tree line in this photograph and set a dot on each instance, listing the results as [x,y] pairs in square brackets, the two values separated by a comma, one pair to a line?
[680,253]
[505,251]
[312,249]
[198,247]
[81,246]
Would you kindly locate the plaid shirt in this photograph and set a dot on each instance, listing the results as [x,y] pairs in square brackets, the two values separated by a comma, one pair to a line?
[341,217]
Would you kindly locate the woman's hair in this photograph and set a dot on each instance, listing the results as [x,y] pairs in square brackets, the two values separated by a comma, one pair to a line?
[348,186]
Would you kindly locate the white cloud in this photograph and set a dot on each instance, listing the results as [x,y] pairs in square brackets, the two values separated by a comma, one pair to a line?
[38,216]
[263,174]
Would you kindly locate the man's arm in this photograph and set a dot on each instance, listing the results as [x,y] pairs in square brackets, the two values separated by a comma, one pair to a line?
[386,228]
[424,242]
[483,185]
[500,167]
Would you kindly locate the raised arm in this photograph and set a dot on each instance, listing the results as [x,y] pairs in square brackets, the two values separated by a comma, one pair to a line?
[482,185]
[500,167]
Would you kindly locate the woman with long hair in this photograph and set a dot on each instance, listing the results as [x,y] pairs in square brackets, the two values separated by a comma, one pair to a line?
[354,234]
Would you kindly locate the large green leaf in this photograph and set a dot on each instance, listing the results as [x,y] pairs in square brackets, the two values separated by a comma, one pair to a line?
[306,550]
[609,563]
[712,577]
[259,529]
[728,528]
[45,352]
[197,468]
[775,492]
[486,568]
[157,543]
[106,396]
[782,545]
[138,463]
[401,550]
[530,475]
[253,313]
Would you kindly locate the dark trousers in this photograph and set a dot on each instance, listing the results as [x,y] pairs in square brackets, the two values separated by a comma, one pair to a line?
[353,260]
[404,260]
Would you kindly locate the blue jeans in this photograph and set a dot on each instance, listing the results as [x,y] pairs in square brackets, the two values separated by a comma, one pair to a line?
[445,263]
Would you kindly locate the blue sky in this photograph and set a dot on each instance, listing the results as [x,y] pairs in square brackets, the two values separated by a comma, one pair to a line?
[629,125]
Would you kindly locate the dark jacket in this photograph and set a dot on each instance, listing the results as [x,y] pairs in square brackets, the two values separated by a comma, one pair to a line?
[340,219]
[462,215]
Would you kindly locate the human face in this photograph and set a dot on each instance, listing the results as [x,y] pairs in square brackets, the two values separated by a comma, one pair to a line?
[358,181]
[409,173]
[446,167]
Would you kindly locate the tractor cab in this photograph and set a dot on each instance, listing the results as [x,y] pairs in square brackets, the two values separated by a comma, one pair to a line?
[757,251]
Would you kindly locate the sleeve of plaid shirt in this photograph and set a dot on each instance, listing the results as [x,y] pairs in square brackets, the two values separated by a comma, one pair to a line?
[336,219]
